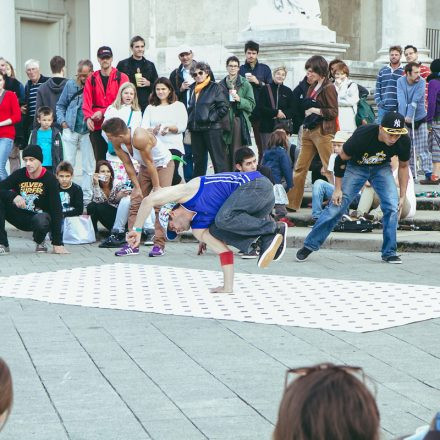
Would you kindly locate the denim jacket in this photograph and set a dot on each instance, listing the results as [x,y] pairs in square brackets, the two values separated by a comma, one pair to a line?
[67,112]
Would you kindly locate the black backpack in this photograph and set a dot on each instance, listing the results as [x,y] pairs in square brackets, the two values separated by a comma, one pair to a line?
[360,225]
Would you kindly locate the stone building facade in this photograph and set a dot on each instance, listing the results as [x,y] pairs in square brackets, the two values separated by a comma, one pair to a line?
[358,30]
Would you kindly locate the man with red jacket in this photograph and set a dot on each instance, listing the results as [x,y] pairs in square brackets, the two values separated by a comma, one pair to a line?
[100,92]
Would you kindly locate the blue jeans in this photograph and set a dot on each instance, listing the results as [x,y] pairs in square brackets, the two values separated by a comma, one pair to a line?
[380,114]
[382,181]
[321,191]
[6,146]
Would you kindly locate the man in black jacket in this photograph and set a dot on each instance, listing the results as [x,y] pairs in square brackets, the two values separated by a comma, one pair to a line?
[30,200]
[141,72]
[258,74]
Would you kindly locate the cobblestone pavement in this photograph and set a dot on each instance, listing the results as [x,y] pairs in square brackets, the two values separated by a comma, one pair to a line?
[91,374]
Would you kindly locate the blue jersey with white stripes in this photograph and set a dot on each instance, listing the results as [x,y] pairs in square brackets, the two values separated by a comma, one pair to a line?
[213,192]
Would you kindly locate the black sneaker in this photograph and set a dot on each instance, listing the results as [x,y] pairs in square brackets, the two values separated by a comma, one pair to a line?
[41,248]
[282,229]
[115,240]
[269,246]
[392,259]
[302,254]
[149,238]
[252,254]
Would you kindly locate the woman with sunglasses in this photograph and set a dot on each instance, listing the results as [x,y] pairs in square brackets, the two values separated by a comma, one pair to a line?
[207,107]
[241,100]
[327,401]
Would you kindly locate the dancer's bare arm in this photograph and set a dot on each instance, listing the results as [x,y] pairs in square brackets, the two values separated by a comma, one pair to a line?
[204,236]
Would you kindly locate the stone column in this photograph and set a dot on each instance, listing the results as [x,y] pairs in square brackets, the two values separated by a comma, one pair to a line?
[403,22]
[7,24]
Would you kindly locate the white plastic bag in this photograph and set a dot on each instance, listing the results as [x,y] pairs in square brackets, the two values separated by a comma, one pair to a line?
[78,230]
[280,194]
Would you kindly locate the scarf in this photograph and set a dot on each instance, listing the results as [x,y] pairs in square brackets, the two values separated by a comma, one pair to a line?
[231,82]
[199,87]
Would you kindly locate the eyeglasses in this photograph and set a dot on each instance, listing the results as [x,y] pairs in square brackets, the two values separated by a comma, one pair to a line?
[199,73]
[304,371]
[233,66]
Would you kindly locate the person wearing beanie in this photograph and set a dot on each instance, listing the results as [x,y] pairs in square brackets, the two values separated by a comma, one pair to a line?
[433,118]
[30,201]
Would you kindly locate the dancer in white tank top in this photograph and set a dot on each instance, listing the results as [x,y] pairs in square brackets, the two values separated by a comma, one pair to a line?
[156,171]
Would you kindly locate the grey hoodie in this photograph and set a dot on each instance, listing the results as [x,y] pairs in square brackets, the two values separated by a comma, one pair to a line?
[48,94]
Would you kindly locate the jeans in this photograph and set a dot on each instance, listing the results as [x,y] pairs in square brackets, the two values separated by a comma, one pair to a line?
[380,114]
[312,142]
[381,179]
[321,191]
[71,142]
[6,145]
[122,215]
[245,215]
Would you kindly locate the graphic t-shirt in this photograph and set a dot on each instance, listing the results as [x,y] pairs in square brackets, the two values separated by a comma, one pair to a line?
[44,140]
[212,193]
[365,149]
[72,200]
[40,195]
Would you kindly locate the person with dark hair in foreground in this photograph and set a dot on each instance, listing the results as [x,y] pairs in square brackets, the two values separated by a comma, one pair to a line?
[221,209]
[6,393]
[327,402]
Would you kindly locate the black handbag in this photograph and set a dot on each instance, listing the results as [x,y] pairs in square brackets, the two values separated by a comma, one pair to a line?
[285,123]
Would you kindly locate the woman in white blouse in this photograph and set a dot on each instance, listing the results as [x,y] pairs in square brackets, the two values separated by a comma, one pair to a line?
[167,117]
[348,97]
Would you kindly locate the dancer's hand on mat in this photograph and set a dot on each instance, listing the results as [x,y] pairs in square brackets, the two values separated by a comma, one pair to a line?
[220,289]
[133,239]
[60,250]
[337,197]
[202,249]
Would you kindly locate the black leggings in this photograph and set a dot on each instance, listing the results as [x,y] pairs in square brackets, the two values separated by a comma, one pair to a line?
[102,212]
[176,176]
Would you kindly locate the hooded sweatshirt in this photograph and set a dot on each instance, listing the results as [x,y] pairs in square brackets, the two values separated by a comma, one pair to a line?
[48,95]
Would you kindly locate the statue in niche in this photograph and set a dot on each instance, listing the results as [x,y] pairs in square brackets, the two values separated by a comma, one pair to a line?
[271,14]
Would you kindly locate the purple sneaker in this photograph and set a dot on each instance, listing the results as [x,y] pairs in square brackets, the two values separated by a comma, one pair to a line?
[127,251]
[157,251]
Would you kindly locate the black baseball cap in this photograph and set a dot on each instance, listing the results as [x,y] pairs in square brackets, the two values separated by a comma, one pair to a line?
[394,123]
[104,52]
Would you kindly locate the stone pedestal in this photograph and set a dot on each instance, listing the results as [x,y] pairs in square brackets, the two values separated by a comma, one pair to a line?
[291,47]
[403,22]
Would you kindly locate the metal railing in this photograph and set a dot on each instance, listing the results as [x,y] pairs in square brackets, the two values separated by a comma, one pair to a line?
[433,42]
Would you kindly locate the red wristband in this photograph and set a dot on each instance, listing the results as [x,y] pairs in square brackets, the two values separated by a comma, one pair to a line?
[226,258]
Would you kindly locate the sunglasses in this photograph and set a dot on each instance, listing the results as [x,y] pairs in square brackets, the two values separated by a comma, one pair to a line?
[304,371]
[199,73]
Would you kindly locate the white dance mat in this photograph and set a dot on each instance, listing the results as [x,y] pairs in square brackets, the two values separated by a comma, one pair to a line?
[355,306]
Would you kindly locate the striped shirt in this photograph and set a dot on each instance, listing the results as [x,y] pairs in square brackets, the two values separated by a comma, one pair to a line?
[386,87]
[212,193]
[32,101]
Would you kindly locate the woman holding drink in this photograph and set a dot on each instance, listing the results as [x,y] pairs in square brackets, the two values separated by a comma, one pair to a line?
[237,126]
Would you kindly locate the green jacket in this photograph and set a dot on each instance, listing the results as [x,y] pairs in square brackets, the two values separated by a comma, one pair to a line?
[246,104]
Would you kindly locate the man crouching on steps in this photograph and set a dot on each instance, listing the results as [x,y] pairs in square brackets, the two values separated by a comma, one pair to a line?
[221,209]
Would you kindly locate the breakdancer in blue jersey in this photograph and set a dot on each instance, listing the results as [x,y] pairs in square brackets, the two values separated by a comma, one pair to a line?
[221,209]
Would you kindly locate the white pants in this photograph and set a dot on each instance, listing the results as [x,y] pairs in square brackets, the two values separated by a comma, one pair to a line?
[122,216]
[73,141]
